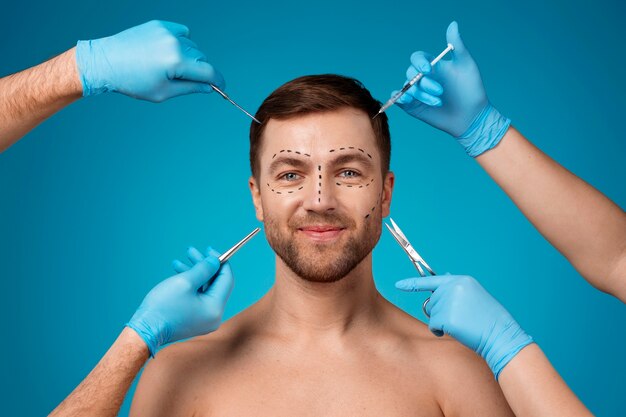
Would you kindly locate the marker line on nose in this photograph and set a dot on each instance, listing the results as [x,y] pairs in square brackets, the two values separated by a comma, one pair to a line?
[319,191]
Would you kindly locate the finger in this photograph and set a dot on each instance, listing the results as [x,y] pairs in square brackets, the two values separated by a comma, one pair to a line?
[175,28]
[424,97]
[404,98]
[187,44]
[200,71]
[424,283]
[180,88]
[427,84]
[179,266]
[213,252]
[201,272]
[223,285]
[194,255]
[436,325]
[454,37]
[421,61]
[191,55]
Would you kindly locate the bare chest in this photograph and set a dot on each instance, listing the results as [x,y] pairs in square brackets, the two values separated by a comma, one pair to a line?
[313,386]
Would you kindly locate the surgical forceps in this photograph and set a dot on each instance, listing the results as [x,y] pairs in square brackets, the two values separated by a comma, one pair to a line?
[419,262]
[223,94]
[230,252]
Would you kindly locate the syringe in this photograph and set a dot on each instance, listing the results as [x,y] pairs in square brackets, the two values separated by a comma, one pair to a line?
[414,80]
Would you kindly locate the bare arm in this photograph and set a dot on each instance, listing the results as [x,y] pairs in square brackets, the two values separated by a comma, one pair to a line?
[532,387]
[29,97]
[104,389]
[583,224]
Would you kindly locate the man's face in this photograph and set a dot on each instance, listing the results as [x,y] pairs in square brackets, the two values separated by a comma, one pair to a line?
[321,192]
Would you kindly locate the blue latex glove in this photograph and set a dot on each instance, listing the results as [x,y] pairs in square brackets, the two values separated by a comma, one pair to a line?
[452,98]
[154,61]
[463,309]
[175,309]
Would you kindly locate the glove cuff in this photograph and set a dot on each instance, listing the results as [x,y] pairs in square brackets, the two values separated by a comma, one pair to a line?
[152,329]
[485,132]
[507,344]
[87,65]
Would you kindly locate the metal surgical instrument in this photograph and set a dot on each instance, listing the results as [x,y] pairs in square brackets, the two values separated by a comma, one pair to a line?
[415,257]
[413,81]
[223,94]
[230,252]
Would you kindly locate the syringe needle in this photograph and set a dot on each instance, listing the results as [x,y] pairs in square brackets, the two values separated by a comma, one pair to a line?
[412,82]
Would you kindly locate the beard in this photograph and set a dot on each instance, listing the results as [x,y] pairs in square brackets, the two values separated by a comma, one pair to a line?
[323,262]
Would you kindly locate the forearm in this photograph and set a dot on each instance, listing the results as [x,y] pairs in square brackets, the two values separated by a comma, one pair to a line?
[583,224]
[104,389]
[532,387]
[30,96]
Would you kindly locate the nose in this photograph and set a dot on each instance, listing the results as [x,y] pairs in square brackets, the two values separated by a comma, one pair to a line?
[320,193]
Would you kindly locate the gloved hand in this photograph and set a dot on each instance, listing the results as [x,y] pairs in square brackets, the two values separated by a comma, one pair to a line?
[452,98]
[463,309]
[154,61]
[175,309]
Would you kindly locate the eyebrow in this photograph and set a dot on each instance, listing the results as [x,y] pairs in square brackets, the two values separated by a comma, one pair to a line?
[352,157]
[287,160]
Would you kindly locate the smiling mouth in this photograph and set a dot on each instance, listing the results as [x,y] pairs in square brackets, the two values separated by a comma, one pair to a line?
[321,233]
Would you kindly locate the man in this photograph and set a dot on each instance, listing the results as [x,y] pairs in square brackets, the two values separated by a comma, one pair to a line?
[322,341]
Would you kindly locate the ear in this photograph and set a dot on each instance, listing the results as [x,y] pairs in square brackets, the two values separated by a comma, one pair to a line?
[256,198]
[388,183]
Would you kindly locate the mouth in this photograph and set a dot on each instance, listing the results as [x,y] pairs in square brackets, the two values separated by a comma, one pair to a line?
[321,233]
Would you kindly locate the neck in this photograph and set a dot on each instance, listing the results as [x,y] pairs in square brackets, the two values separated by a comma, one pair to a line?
[296,306]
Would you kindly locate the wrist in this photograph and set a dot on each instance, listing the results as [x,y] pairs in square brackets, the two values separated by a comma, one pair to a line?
[485,131]
[153,338]
[68,72]
[504,346]
[91,80]
[133,341]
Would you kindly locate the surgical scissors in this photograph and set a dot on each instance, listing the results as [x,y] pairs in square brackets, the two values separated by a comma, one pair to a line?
[230,252]
[419,262]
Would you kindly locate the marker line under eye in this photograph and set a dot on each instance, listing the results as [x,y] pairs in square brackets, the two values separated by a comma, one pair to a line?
[283,192]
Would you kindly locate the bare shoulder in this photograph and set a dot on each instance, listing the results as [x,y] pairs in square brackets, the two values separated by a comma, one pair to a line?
[463,383]
[169,383]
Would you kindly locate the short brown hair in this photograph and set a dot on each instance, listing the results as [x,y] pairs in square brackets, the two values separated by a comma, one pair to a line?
[314,94]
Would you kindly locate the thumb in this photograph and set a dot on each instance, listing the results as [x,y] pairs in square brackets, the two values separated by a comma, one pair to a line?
[202,271]
[223,285]
[454,37]
[423,284]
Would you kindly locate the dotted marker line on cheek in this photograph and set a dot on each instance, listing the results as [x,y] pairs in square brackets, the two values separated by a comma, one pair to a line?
[374,208]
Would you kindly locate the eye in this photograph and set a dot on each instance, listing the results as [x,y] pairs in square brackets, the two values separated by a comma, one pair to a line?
[349,173]
[290,176]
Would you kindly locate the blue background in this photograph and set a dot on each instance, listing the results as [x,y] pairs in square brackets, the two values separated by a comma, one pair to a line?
[98,200]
